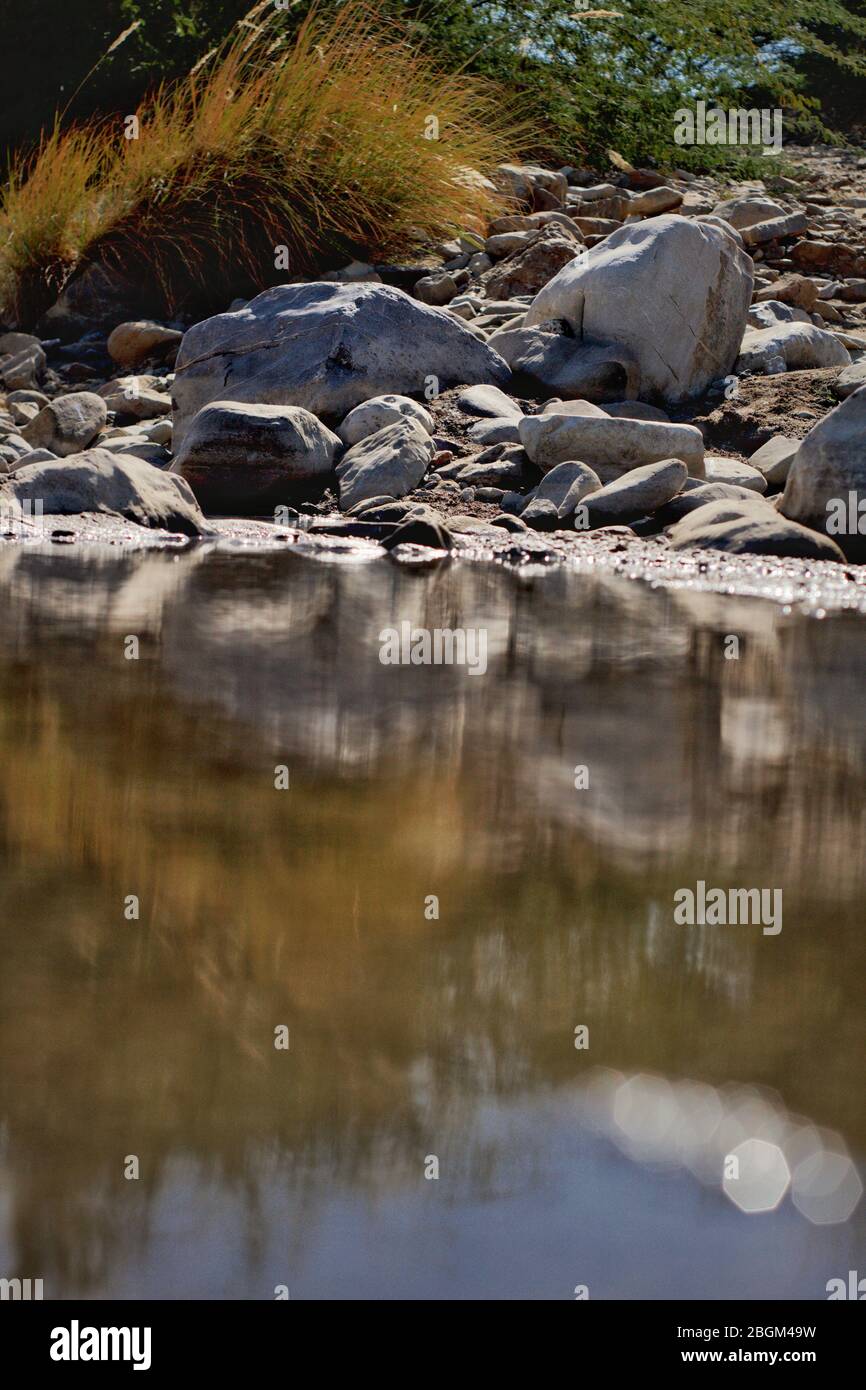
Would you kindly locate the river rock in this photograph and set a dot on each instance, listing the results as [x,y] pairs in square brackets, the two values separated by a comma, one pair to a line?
[795,345]
[244,458]
[637,493]
[502,430]
[389,463]
[851,379]
[619,445]
[722,470]
[749,528]
[136,396]
[698,496]
[488,401]
[826,485]
[22,361]
[773,459]
[98,481]
[546,361]
[68,424]
[673,293]
[130,344]
[327,347]
[527,269]
[565,485]
[373,415]
[748,211]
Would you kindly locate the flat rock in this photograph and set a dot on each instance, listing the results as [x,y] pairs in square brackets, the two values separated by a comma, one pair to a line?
[749,528]
[98,481]
[851,379]
[618,445]
[723,470]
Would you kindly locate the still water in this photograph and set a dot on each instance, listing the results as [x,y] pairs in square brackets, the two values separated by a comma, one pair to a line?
[413,1037]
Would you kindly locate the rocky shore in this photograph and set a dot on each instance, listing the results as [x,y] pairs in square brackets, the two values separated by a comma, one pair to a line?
[660,374]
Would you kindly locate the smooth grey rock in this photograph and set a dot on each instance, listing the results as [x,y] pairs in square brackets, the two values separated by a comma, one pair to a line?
[241,457]
[389,463]
[619,445]
[587,408]
[773,459]
[826,486]
[373,415]
[789,224]
[566,485]
[749,528]
[797,345]
[496,431]
[851,379]
[722,470]
[748,211]
[97,481]
[68,424]
[572,367]
[637,493]
[327,347]
[541,514]
[698,496]
[488,401]
[673,293]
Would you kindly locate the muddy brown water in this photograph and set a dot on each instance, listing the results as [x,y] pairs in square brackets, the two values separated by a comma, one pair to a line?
[414,1037]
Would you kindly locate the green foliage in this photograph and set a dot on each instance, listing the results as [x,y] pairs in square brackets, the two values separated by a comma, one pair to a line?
[601,73]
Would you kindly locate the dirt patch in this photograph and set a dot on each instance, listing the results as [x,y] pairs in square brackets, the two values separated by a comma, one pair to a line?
[790,404]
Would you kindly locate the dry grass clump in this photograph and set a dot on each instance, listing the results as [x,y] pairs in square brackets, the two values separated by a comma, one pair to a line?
[318,143]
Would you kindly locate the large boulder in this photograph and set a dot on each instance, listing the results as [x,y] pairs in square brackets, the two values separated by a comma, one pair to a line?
[247,458]
[617,444]
[674,293]
[826,485]
[99,481]
[749,528]
[327,347]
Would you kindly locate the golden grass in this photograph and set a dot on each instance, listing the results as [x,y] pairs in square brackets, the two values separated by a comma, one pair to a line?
[317,144]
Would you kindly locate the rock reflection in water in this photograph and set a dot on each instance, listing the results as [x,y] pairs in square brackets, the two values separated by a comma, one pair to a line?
[408,1036]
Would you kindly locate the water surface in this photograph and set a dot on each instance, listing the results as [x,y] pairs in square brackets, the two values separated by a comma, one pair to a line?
[411,1037]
